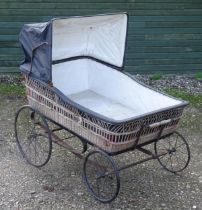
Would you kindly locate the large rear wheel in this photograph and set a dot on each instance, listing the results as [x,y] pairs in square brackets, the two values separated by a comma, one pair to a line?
[33,136]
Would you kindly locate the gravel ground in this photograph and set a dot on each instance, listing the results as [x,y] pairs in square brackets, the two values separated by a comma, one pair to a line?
[185,82]
[59,185]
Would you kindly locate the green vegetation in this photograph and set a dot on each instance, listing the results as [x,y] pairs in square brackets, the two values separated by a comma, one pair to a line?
[12,89]
[156,76]
[192,120]
[193,99]
[198,75]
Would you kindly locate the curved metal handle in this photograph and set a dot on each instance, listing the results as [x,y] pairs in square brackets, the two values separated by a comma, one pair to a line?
[163,122]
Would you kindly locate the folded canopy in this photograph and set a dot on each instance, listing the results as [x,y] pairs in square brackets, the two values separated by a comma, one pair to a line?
[101,38]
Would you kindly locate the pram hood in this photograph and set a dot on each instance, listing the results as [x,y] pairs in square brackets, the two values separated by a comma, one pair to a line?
[101,38]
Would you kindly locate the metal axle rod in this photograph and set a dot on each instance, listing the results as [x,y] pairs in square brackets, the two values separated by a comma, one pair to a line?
[141,161]
[132,164]
[58,141]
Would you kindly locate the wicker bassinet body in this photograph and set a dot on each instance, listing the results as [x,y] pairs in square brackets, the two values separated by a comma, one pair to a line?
[110,137]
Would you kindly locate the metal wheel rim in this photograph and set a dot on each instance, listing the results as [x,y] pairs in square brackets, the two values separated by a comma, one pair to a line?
[116,172]
[19,142]
[187,150]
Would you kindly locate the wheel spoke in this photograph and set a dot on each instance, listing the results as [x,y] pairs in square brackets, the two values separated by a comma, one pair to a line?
[182,152]
[177,160]
[32,141]
[180,145]
[167,162]
[163,145]
[182,160]
[175,143]
[171,163]
[107,184]
[98,188]
[163,156]
[178,152]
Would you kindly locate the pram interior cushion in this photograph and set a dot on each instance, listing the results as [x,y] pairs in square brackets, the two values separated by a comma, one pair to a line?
[106,91]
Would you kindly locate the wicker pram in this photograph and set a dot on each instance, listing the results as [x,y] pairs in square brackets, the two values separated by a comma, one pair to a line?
[109,135]
[74,79]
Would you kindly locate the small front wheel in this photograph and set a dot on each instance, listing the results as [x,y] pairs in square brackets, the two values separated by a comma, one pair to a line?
[101,176]
[177,152]
[33,136]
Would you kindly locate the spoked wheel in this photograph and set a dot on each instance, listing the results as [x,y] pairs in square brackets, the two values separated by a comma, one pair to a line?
[33,136]
[177,151]
[101,176]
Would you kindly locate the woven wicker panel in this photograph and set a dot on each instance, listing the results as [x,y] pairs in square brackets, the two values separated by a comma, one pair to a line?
[108,136]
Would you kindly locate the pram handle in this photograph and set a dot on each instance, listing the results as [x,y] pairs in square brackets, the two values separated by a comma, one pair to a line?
[163,122]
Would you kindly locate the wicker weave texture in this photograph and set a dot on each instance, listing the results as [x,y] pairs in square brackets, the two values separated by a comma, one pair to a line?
[107,136]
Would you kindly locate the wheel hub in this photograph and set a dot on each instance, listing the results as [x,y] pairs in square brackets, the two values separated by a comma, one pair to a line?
[171,151]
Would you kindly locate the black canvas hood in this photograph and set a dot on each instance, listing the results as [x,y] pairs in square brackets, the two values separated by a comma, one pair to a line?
[100,37]
[36,41]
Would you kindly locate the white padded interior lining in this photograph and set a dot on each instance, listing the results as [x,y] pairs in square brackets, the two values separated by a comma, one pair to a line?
[102,37]
[106,91]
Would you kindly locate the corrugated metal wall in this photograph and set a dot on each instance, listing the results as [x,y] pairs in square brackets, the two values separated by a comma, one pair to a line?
[164,35]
